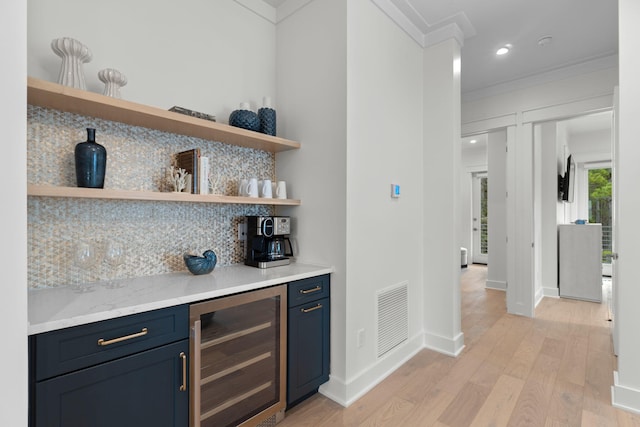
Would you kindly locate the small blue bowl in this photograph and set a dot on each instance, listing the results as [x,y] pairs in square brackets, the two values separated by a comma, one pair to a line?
[201,264]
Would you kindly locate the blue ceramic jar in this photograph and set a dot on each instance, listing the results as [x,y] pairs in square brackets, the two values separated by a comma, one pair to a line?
[244,118]
[267,116]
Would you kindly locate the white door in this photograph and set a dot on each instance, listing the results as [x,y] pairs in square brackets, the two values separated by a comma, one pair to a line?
[480,216]
[614,219]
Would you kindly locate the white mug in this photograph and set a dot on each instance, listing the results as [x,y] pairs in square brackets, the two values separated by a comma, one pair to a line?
[252,188]
[242,188]
[281,190]
[265,189]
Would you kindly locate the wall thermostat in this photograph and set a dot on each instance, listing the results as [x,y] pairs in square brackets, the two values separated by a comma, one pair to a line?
[395,191]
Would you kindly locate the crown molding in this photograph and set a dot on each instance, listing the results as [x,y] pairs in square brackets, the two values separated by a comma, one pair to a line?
[569,70]
[449,31]
[270,13]
[397,16]
[425,34]
[260,8]
[289,7]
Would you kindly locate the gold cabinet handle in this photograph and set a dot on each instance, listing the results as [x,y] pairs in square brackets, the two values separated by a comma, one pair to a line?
[310,291]
[183,356]
[104,342]
[308,310]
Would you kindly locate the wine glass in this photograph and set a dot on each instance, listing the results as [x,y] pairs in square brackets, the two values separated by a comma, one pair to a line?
[114,256]
[85,257]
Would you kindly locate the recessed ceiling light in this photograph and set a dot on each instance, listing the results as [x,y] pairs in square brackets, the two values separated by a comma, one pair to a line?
[473,141]
[503,50]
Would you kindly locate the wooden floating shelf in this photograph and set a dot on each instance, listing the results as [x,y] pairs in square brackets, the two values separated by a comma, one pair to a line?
[100,193]
[52,95]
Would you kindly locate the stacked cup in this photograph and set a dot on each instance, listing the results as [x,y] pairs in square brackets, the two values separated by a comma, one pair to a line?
[252,187]
[248,187]
[264,188]
[281,190]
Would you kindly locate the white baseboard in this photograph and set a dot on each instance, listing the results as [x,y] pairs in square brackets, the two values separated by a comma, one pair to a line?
[335,389]
[496,284]
[624,397]
[345,393]
[538,297]
[449,346]
[551,292]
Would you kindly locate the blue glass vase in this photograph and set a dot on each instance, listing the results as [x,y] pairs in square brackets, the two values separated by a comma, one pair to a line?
[91,162]
[244,118]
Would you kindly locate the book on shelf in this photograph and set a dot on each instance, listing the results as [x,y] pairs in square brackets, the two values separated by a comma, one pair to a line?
[204,175]
[189,160]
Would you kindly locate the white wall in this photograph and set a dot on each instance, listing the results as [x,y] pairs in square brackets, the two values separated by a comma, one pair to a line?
[350,97]
[312,75]
[626,390]
[497,238]
[441,162]
[384,146]
[13,260]
[206,56]
[547,181]
[592,146]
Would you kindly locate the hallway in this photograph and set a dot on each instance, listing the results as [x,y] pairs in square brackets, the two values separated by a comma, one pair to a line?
[553,370]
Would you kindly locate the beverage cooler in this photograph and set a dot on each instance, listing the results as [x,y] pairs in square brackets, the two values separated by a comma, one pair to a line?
[238,359]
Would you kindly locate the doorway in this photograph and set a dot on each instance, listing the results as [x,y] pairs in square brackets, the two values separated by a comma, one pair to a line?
[480,218]
[599,199]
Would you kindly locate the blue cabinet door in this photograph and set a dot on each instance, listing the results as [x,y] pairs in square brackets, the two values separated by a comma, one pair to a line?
[308,349]
[138,390]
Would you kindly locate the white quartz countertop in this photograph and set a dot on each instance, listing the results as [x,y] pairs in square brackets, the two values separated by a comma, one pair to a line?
[57,308]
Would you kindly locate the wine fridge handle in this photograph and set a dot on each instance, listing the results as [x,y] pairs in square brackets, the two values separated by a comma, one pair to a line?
[195,374]
[183,359]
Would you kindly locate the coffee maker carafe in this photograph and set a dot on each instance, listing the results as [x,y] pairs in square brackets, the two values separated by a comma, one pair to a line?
[267,241]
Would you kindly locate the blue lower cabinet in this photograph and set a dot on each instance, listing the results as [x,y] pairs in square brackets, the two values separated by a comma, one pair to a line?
[138,390]
[308,325]
[127,372]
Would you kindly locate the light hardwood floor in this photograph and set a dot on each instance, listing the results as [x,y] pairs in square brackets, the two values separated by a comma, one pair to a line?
[553,370]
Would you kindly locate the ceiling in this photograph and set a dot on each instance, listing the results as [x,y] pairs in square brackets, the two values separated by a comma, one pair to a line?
[584,35]
[582,31]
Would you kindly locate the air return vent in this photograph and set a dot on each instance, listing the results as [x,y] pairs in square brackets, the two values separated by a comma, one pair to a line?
[393,317]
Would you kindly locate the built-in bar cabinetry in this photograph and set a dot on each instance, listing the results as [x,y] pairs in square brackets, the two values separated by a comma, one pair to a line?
[58,97]
[238,358]
[130,371]
[238,354]
[308,324]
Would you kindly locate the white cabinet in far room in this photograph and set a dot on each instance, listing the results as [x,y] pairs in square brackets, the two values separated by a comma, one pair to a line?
[580,261]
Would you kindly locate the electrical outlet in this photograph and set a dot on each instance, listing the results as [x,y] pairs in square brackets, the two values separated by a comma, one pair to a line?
[360,338]
[242,232]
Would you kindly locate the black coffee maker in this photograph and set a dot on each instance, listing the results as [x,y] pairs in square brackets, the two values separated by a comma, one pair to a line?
[266,241]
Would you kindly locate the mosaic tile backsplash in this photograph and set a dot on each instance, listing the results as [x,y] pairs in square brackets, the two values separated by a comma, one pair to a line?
[154,234]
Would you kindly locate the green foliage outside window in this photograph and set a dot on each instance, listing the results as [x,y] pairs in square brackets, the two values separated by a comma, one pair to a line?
[600,206]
